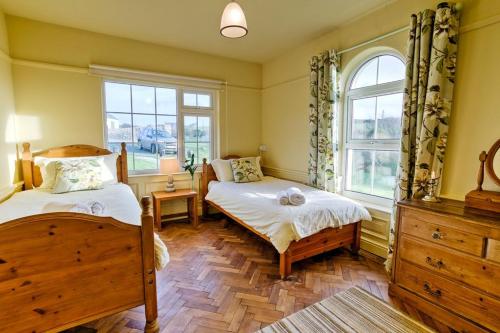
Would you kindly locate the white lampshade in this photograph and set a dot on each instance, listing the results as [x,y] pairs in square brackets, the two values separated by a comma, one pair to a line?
[233,23]
[169,165]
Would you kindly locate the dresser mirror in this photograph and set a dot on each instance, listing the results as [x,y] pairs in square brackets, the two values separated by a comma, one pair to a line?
[480,198]
[493,162]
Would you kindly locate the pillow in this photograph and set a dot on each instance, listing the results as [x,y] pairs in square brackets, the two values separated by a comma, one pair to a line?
[223,170]
[78,175]
[48,168]
[245,170]
[259,169]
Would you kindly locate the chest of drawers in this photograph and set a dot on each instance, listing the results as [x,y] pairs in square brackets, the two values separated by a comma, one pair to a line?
[447,263]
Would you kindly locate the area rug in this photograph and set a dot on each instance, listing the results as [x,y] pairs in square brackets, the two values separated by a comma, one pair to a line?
[353,310]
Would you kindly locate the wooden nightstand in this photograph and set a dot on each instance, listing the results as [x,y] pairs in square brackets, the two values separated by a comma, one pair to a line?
[160,196]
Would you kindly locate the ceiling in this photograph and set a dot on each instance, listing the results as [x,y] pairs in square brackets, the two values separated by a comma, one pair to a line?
[275,26]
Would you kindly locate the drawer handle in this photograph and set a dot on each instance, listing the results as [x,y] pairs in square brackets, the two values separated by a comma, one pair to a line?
[436,235]
[433,293]
[437,263]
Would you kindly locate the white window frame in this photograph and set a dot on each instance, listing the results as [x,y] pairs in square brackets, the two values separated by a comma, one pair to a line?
[375,144]
[182,110]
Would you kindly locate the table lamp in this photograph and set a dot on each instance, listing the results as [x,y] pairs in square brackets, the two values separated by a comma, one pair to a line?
[168,166]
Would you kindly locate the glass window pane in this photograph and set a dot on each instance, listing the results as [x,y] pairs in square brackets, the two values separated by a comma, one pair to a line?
[363,118]
[366,75]
[204,100]
[144,159]
[117,97]
[119,127]
[203,132]
[389,109]
[167,135]
[203,152]
[146,147]
[189,99]
[390,68]
[359,176]
[166,101]
[190,129]
[386,163]
[143,99]
[191,148]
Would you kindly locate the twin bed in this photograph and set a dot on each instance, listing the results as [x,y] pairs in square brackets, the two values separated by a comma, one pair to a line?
[327,221]
[60,269]
[61,266]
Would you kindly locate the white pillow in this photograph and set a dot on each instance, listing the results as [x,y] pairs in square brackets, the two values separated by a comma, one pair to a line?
[78,175]
[48,168]
[259,169]
[223,170]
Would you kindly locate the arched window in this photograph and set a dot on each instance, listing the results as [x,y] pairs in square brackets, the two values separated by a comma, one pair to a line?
[374,100]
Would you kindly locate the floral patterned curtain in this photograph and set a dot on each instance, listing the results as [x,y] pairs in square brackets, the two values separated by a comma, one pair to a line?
[430,76]
[324,97]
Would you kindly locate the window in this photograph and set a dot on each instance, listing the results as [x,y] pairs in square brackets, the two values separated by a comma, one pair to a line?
[155,123]
[374,100]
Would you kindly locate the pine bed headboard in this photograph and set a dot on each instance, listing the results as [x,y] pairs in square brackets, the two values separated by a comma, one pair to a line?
[33,177]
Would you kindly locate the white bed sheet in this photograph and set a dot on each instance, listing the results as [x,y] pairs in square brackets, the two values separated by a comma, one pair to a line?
[118,200]
[256,204]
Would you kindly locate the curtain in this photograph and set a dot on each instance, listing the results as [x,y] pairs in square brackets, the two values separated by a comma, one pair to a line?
[428,93]
[324,97]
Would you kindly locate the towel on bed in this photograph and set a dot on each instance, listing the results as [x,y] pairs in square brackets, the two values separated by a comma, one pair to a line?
[91,207]
[295,196]
[282,198]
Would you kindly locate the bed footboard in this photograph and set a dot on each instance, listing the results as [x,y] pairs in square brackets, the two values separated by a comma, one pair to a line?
[60,270]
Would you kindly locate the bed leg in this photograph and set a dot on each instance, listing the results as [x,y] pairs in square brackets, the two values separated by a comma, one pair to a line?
[149,273]
[356,243]
[152,326]
[204,209]
[285,265]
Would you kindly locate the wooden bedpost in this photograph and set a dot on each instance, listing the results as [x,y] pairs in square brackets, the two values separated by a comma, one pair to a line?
[356,243]
[148,262]
[204,188]
[124,165]
[27,163]
[285,265]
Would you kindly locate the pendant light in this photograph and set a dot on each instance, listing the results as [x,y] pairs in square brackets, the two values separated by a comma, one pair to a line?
[233,23]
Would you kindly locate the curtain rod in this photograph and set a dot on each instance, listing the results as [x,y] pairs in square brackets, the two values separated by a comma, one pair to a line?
[458,7]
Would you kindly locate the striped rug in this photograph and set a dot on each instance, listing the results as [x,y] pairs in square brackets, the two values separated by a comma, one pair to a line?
[353,310]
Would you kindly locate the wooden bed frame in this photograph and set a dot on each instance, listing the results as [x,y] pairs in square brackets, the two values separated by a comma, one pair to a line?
[323,241]
[60,270]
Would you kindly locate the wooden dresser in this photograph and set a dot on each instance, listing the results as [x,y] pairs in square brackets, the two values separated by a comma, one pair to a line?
[447,263]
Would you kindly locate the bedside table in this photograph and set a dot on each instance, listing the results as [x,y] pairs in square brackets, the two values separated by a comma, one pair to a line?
[161,196]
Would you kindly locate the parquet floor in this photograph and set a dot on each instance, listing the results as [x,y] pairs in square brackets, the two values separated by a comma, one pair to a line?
[221,278]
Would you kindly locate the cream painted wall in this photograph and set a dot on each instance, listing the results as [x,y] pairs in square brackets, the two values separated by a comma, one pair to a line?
[475,118]
[8,172]
[67,103]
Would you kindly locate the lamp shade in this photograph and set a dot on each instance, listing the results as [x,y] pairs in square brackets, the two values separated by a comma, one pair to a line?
[233,23]
[169,165]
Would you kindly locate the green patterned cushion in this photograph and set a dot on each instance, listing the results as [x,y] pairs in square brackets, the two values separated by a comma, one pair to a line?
[245,170]
[78,175]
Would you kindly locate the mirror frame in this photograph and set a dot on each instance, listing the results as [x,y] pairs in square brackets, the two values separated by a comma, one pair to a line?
[489,162]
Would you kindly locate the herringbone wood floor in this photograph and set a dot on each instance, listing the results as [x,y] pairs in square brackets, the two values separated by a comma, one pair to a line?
[221,278]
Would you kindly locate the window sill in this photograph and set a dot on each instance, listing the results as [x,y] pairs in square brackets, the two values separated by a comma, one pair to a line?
[376,207]
[157,174]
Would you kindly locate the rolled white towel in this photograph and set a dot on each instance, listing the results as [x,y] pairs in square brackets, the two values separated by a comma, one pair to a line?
[96,208]
[295,196]
[282,198]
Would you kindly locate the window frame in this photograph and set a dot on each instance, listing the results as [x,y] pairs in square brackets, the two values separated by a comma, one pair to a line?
[348,143]
[181,111]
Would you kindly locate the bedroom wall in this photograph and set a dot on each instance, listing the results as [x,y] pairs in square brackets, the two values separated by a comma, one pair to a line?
[51,83]
[474,121]
[8,174]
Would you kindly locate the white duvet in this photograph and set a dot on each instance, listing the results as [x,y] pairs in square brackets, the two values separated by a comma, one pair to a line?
[118,200]
[256,204]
